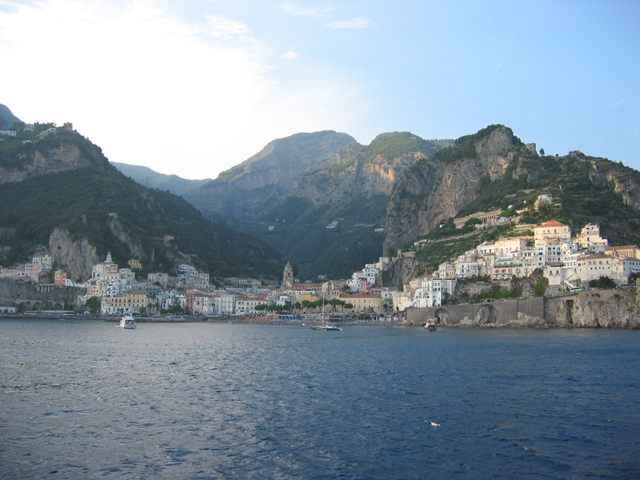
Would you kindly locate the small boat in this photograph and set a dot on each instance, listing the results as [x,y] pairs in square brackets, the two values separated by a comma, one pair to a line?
[127,321]
[326,327]
[431,325]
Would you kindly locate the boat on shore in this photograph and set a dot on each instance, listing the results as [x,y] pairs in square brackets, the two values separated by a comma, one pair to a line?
[127,321]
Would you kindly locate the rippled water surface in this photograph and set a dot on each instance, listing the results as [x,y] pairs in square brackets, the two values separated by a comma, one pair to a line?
[82,399]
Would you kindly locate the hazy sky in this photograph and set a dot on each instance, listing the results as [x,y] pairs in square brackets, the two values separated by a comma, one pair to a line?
[195,87]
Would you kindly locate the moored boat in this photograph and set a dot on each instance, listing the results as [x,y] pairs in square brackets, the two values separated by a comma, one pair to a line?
[127,321]
[326,327]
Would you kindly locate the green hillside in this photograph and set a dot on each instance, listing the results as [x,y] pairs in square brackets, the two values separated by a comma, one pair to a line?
[84,199]
[584,190]
[300,233]
[325,239]
[580,189]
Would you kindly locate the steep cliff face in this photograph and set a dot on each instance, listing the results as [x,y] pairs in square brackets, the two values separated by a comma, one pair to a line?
[601,309]
[330,221]
[628,187]
[367,171]
[77,257]
[59,151]
[247,189]
[136,250]
[336,184]
[435,190]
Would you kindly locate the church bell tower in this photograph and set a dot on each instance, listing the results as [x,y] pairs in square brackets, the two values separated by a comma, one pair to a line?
[287,278]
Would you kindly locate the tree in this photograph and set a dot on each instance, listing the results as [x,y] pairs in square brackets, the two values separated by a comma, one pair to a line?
[93,304]
[542,152]
[603,282]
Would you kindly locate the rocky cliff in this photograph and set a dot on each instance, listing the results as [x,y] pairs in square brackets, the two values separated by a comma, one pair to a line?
[436,190]
[77,257]
[368,171]
[612,309]
[596,309]
[329,223]
[59,151]
[247,189]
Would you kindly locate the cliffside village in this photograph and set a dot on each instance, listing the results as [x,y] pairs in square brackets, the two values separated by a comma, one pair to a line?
[567,262]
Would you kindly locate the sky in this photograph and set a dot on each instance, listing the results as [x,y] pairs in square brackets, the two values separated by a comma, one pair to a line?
[195,87]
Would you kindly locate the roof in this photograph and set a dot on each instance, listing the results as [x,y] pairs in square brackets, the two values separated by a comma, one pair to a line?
[360,296]
[551,223]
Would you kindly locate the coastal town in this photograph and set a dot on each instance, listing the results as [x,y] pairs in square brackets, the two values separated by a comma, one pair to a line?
[565,261]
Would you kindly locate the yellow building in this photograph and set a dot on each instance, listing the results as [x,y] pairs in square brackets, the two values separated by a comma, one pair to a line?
[363,303]
[631,251]
[134,264]
[127,303]
[553,230]
[309,297]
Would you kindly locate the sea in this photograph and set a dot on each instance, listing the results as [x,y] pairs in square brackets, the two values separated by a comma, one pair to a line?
[83,399]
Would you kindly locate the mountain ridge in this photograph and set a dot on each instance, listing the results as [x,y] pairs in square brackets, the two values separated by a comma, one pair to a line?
[346,203]
[61,193]
[151,179]
[246,190]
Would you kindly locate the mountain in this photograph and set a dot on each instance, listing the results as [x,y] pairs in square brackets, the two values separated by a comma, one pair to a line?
[152,179]
[252,187]
[331,222]
[7,119]
[330,205]
[495,170]
[59,191]
[435,190]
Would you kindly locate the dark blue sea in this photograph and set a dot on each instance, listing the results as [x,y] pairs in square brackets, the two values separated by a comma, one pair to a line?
[84,399]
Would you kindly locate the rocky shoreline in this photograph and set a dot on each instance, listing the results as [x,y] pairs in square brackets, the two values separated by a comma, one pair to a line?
[608,309]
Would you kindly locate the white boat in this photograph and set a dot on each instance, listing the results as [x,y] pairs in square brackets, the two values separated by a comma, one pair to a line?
[325,326]
[431,325]
[127,321]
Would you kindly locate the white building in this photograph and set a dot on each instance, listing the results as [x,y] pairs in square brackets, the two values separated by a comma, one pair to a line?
[104,269]
[624,268]
[248,305]
[553,230]
[432,291]
[45,260]
[590,239]
[224,304]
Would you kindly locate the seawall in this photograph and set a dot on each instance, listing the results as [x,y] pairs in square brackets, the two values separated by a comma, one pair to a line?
[593,309]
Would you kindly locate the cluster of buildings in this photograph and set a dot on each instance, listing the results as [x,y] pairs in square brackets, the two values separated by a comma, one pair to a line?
[39,266]
[564,259]
[567,261]
[190,291]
